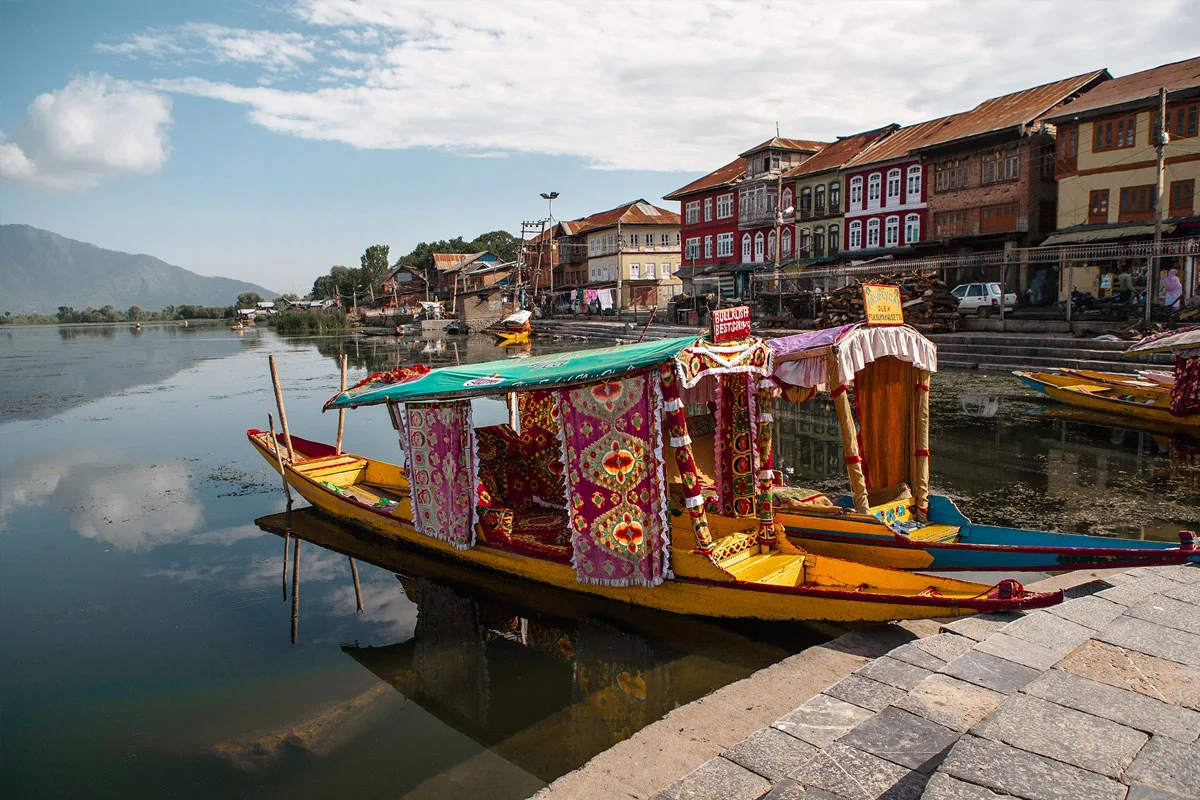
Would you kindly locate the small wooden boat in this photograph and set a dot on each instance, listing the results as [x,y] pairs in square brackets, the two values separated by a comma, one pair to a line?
[1140,400]
[514,329]
[891,518]
[576,495]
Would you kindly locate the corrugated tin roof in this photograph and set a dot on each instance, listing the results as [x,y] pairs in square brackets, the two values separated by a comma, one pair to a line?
[727,175]
[837,154]
[1140,88]
[637,212]
[448,262]
[778,143]
[900,143]
[1014,110]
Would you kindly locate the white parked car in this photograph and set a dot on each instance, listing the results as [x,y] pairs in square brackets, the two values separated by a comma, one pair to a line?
[982,298]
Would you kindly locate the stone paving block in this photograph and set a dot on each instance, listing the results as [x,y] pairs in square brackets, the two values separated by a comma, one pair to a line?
[910,787]
[788,789]
[942,787]
[1120,705]
[1153,640]
[821,720]
[1183,573]
[950,702]
[1135,591]
[1084,589]
[946,646]
[1118,579]
[1020,651]
[980,626]
[1073,737]
[1188,593]
[865,692]
[1142,792]
[1094,612]
[718,779]
[1049,631]
[894,673]
[900,737]
[1169,765]
[1168,612]
[770,753]
[990,672]
[1011,771]
[1128,669]
[849,772]
[919,657]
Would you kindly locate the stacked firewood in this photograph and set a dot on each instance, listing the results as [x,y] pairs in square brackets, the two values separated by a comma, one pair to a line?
[928,305]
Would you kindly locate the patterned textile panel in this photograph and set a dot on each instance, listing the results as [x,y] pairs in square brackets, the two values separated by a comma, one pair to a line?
[442,471]
[612,441]
[538,413]
[1185,396]
[735,446]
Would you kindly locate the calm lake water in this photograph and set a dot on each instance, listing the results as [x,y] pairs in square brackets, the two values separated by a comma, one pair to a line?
[155,644]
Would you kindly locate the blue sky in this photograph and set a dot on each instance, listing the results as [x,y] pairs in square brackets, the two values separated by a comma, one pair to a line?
[269,141]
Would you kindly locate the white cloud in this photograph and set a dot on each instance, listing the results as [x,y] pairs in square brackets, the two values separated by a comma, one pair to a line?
[94,127]
[275,51]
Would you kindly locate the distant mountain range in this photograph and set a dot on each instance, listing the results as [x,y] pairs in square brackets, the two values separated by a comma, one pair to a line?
[40,271]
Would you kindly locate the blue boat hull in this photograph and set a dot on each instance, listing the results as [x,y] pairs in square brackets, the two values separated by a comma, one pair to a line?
[990,547]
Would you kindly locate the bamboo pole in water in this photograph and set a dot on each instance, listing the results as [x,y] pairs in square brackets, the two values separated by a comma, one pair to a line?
[357,587]
[341,412]
[279,459]
[287,541]
[287,436]
[296,591]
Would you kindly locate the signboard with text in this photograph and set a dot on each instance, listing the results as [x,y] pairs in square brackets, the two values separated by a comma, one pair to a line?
[730,324]
[882,304]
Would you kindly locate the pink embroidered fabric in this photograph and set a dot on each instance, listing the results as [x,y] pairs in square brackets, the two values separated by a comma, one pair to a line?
[441,471]
[612,451]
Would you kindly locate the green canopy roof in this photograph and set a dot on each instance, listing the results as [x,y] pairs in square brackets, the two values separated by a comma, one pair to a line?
[521,374]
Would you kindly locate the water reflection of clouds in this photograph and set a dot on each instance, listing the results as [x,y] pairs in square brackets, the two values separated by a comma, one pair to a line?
[131,507]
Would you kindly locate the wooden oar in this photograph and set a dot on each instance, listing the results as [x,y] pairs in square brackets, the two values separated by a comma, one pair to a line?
[337,448]
[279,459]
[287,436]
[357,588]
[296,591]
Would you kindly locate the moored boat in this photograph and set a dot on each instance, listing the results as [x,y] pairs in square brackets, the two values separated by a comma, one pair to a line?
[891,518]
[516,328]
[578,494]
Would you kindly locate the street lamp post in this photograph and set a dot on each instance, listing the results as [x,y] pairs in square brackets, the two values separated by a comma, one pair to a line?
[549,197]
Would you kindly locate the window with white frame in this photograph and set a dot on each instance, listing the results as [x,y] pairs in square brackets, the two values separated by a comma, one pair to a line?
[747,243]
[856,187]
[708,209]
[891,232]
[835,197]
[724,245]
[664,240]
[912,228]
[872,233]
[692,212]
[819,199]
[913,193]
[787,243]
[874,183]
[819,241]
[633,240]
[677,235]
[693,249]
[708,250]
[635,271]
[835,239]
[760,243]
[787,201]
[771,245]
[725,206]
[666,269]
[855,235]
[651,272]
[893,186]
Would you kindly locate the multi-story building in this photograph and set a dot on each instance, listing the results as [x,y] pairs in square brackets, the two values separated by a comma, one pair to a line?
[709,220]
[633,249]
[766,201]
[816,186]
[991,170]
[887,193]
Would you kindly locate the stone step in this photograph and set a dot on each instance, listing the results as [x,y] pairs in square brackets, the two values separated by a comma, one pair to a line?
[1028,340]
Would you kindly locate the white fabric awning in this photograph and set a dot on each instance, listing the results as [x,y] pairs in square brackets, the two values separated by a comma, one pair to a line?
[855,347]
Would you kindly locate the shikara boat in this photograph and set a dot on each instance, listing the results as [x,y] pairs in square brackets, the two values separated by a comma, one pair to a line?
[1166,401]
[516,328]
[890,518]
[578,494]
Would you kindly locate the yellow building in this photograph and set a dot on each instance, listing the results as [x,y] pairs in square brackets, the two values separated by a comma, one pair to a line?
[633,251]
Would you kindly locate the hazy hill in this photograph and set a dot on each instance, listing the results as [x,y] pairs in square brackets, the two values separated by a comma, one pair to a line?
[40,271]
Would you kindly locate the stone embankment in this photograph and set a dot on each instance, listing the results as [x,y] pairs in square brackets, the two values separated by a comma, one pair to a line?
[1096,698]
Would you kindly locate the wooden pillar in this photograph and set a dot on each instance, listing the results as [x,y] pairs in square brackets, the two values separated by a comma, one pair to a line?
[838,389]
[921,446]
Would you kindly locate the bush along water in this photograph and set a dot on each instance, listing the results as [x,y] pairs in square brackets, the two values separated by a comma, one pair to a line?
[329,320]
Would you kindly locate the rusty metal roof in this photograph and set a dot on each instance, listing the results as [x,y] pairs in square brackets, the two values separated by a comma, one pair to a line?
[1137,90]
[636,212]
[449,262]
[727,175]
[777,143]
[837,154]
[1014,111]
[901,143]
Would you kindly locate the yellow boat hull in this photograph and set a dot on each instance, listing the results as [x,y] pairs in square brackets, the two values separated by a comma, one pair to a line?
[832,590]
[1152,405]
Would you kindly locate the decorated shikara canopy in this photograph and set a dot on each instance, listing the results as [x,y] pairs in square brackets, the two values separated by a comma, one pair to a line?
[803,359]
[1184,342]
[555,371]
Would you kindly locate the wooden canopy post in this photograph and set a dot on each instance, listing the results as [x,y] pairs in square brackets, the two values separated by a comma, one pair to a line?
[681,443]
[841,402]
[337,449]
[287,436]
[921,446]
[766,464]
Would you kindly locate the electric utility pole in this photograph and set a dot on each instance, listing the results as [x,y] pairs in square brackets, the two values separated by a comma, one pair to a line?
[1160,147]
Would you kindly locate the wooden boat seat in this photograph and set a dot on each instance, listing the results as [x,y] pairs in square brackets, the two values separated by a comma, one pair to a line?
[934,532]
[777,569]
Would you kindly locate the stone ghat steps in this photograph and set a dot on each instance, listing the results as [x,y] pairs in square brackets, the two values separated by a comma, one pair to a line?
[1002,353]
[1096,698]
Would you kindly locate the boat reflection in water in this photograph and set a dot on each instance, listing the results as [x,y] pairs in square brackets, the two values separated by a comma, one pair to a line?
[544,679]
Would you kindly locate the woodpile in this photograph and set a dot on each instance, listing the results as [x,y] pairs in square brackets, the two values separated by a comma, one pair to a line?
[928,305]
